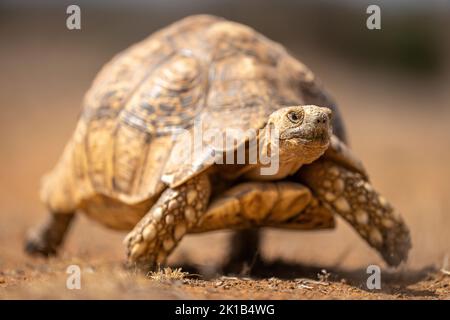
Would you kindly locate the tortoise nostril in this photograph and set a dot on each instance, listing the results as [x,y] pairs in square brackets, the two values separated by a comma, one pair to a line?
[322,118]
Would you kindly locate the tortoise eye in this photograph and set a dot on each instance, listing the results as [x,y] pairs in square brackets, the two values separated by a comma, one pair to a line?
[294,117]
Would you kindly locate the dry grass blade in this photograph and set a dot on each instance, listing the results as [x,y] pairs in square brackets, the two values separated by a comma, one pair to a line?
[167,274]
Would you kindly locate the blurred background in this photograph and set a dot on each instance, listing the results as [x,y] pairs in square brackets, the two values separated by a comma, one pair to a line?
[392,86]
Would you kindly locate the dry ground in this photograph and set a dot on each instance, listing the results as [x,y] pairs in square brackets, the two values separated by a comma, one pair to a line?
[398,125]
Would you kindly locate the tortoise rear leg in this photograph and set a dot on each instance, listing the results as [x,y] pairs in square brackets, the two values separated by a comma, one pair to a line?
[45,239]
[351,195]
[244,250]
[57,194]
[159,231]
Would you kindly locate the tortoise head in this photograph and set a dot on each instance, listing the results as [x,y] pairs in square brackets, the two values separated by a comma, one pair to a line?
[304,131]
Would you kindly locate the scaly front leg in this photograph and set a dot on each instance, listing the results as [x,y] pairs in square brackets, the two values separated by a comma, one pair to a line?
[352,196]
[176,211]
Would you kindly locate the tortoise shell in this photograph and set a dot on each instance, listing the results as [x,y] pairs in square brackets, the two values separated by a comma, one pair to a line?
[200,68]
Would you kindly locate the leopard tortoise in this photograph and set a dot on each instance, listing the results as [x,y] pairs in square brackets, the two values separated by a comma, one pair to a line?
[132,162]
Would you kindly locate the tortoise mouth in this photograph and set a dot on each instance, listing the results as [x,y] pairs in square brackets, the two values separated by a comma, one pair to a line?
[314,138]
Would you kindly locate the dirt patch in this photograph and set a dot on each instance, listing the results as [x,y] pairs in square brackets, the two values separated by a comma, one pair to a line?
[102,279]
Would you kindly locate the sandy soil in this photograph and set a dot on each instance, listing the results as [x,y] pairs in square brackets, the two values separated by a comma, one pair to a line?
[398,125]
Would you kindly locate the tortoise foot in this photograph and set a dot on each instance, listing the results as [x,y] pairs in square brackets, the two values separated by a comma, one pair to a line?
[48,237]
[36,245]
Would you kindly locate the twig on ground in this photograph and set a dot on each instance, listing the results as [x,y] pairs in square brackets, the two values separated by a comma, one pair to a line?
[446,272]
[304,286]
[444,268]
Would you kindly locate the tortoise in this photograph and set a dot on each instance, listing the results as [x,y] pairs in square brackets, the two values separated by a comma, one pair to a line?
[132,162]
